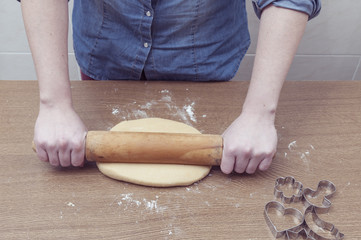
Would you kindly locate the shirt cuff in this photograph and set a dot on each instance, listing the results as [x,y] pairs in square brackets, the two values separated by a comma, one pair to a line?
[310,7]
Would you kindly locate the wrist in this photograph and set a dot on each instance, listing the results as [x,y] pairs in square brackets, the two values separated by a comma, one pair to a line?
[55,93]
[56,101]
[264,111]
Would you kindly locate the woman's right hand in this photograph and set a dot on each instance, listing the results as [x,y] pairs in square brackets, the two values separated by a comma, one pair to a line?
[59,136]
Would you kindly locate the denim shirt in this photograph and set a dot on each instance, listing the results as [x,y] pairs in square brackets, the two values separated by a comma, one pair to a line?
[194,40]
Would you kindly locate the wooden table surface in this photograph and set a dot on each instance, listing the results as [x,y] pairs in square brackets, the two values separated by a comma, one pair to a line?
[319,130]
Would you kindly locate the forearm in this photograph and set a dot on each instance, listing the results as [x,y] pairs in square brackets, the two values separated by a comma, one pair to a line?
[279,35]
[46,24]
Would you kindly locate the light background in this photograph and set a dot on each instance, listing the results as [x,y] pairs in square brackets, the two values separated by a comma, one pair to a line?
[330,48]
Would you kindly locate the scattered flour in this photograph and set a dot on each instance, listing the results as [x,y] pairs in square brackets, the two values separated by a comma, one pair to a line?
[193,189]
[115,111]
[139,114]
[150,205]
[166,98]
[303,155]
[190,111]
[146,106]
[251,195]
[292,145]
[128,200]
[70,204]
[133,110]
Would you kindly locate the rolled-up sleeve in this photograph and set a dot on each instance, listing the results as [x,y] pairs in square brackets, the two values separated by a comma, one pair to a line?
[310,7]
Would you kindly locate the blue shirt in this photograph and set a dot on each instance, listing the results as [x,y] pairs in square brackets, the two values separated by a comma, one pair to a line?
[193,40]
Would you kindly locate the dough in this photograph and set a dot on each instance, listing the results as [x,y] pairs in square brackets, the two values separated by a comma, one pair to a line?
[156,175]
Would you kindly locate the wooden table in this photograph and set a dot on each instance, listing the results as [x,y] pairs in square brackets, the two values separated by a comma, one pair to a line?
[319,128]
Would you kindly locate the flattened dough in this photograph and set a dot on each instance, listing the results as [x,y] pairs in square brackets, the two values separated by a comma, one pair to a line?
[156,175]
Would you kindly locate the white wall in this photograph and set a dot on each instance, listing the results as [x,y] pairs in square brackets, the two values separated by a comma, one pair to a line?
[330,49]
[15,58]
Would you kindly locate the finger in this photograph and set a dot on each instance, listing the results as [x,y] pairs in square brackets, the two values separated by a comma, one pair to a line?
[42,155]
[77,156]
[265,164]
[228,160]
[242,159]
[53,157]
[64,158]
[253,164]
[227,164]
[241,163]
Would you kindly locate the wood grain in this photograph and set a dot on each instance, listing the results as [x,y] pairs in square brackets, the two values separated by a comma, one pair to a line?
[319,130]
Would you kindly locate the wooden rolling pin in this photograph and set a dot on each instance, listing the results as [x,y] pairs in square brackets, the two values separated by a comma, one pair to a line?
[148,147]
[145,147]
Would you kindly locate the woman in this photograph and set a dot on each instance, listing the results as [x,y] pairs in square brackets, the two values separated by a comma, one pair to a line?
[200,40]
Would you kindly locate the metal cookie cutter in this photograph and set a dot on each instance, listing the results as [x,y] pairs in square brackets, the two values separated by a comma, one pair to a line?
[326,203]
[301,228]
[295,185]
[329,227]
[285,211]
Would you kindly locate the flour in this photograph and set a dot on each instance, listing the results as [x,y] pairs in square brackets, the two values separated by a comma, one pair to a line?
[190,111]
[146,106]
[150,205]
[185,113]
[251,195]
[70,204]
[166,99]
[292,145]
[115,111]
[128,200]
[305,160]
[194,189]
[305,156]
[139,114]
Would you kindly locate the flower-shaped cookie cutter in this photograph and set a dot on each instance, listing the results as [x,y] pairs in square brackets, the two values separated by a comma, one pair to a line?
[302,227]
[297,186]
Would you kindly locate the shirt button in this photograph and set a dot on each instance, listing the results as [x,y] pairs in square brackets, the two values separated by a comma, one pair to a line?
[146,45]
[148,13]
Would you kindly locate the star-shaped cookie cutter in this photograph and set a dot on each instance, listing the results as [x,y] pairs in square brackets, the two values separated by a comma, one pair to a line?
[302,229]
